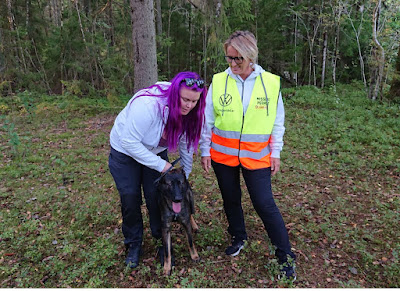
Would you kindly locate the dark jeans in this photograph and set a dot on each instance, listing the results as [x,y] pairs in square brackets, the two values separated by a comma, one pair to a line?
[258,184]
[129,177]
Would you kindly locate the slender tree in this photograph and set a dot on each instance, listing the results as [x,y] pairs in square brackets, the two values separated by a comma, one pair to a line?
[337,9]
[378,55]
[324,53]
[357,33]
[159,17]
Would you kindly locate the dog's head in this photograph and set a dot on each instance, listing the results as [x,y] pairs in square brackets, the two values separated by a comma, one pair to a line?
[173,187]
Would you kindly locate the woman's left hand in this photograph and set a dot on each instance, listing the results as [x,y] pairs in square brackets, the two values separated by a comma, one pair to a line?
[275,165]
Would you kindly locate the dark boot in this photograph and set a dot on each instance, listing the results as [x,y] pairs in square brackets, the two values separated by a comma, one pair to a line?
[134,252]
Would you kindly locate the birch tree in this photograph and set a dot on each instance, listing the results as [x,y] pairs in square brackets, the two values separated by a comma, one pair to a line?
[357,33]
[337,9]
[378,56]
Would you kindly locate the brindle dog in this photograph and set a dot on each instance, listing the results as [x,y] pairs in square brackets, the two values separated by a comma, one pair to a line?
[176,204]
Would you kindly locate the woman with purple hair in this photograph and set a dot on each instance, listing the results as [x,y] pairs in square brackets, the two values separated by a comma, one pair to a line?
[164,116]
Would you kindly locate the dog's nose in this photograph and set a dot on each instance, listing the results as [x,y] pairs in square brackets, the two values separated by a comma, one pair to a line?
[177,194]
[178,198]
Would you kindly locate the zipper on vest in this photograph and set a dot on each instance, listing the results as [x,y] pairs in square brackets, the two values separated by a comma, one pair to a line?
[242,93]
[241,130]
[265,91]
[226,87]
[240,138]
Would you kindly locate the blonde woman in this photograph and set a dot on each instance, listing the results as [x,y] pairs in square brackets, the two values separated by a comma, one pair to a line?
[245,120]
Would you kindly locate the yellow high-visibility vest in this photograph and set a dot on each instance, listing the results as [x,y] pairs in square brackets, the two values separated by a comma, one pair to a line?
[238,139]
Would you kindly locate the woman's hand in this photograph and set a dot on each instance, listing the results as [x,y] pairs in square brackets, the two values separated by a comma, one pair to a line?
[275,165]
[206,163]
[167,166]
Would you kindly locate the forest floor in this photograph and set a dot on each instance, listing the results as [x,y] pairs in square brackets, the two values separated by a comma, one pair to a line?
[338,192]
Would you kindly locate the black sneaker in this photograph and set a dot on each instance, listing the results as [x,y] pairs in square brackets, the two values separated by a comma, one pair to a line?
[234,249]
[160,252]
[288,271]
[134,252]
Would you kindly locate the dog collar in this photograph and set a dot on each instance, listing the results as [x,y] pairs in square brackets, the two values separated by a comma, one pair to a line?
[172,165]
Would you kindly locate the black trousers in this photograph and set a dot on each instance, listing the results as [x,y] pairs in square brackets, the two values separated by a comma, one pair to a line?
[258,184]
[129,177]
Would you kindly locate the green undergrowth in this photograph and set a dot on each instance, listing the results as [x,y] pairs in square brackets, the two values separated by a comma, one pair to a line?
[60,222]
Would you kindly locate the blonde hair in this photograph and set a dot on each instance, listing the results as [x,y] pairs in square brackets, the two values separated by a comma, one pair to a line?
[245,43]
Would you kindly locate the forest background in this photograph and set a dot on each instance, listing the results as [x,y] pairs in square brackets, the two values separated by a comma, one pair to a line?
[87,47]
[68,67]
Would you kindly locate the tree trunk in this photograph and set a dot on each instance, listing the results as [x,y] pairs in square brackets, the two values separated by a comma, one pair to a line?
[159,17]
[357,33]
[168,36]
[84,40]
[60,86]
[16,42]
[379,55]
[191,38]
[324,50]
[295,74]
[205,52]
[338,13]
[111,23]
[54,11]
[394,93]
[336,49]
[144,43]
[27,8]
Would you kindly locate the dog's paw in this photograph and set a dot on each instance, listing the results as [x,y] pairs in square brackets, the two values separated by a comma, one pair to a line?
[167,270]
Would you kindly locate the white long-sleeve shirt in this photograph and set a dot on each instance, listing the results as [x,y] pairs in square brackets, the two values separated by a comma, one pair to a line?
[245,88]
[138,129]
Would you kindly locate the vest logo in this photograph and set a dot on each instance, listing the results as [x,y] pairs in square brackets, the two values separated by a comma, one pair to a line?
[261,101]
[225,100]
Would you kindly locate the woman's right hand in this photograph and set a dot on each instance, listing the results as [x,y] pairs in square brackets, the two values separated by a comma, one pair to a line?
[167,166]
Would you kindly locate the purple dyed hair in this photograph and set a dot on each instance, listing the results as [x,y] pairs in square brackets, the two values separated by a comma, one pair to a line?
[178,124]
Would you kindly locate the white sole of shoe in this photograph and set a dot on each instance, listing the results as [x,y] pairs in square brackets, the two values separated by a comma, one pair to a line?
[237,252]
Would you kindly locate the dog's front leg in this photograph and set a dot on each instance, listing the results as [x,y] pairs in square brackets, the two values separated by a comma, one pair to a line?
[193,223]
[166,235]
[192,248]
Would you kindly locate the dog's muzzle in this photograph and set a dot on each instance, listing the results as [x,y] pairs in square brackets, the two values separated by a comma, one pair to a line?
[176,202]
